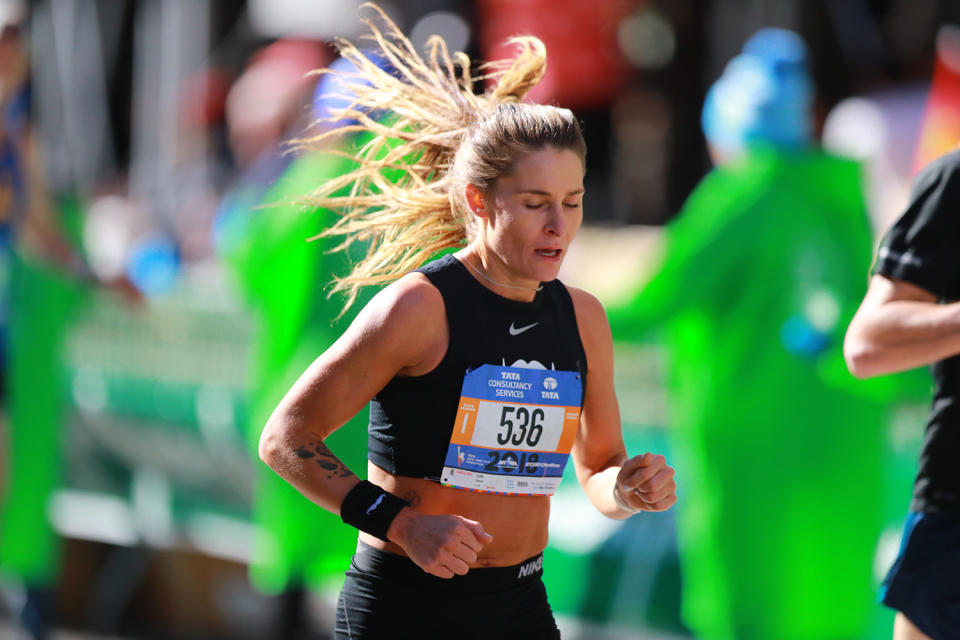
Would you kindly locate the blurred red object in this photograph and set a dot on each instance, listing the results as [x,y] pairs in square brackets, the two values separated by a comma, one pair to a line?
[585,67]
[203,96]
[272,92]
[293,55]
[940,130]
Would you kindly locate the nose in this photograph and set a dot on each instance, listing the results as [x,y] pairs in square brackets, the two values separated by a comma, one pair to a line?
[556,223]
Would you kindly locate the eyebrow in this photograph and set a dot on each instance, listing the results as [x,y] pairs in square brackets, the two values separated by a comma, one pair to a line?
[539,192]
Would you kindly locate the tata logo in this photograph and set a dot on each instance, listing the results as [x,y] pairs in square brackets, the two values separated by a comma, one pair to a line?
[550,383]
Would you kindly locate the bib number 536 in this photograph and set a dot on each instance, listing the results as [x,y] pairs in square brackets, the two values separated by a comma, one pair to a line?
[529,426]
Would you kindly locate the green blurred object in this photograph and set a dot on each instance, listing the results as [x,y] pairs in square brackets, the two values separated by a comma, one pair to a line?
[779,451]
[618,577]
[43,302]
[285,279]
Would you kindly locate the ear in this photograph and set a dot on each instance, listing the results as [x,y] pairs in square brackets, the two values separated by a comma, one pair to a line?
[475,200]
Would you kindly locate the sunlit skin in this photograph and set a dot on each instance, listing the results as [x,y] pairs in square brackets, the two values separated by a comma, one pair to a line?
[525,223]
[528,221]
[903,629]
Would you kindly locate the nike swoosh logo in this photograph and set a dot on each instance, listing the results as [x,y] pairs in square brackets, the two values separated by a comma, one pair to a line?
[376,503]
[515,331]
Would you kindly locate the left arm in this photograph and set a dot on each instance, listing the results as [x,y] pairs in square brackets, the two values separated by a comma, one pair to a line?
[609,477]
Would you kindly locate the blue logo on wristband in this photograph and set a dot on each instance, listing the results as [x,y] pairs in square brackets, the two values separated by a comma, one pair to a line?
[376,503]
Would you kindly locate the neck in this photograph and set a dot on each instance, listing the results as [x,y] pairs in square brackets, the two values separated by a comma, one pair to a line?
[476,265]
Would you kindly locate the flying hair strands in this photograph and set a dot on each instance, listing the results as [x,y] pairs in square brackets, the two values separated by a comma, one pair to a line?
[397,199]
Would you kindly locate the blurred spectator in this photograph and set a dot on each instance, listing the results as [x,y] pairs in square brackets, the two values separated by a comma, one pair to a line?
[262,233]
[41,265]
[265,106]
[269,100]
[14,111]
[779,456]
[203,169]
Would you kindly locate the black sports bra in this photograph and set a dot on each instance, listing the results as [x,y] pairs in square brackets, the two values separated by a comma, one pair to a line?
[412,418]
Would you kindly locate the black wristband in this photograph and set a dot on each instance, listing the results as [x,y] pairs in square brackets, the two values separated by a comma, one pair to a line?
[371,509]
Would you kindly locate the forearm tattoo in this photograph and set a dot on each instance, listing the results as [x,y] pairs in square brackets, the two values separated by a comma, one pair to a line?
[412,497]
[322,455]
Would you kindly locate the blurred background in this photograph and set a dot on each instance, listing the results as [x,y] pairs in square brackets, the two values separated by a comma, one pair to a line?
[139,140]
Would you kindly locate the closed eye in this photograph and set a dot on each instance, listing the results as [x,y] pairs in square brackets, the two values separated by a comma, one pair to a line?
[534,206]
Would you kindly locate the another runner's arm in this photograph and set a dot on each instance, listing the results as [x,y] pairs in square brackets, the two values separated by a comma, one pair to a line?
[641,483]
[900,326]
[379,344]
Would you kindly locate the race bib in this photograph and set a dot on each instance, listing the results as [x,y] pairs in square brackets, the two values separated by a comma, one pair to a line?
[514,431]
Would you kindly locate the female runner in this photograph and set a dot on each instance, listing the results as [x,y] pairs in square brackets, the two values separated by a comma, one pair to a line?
[484,373]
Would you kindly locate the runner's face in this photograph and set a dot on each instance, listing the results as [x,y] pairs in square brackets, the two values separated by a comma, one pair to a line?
[530,217]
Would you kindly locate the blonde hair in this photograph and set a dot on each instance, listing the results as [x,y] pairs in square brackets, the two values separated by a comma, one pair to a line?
[406,194]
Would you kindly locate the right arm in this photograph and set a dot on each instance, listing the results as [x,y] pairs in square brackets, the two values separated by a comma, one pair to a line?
[402,331]
[900,326]
[336,386]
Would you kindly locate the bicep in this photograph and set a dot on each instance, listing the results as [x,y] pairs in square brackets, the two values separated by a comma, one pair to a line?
[882,293]
[389,336]
[900,326]
[883,289]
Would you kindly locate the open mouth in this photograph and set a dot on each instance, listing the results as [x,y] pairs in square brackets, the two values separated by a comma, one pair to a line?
[548,253]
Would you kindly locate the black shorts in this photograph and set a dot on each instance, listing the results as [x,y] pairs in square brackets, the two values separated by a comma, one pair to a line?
[924,582]
[388,596]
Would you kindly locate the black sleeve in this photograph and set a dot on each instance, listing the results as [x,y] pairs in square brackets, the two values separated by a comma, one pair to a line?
[923,246]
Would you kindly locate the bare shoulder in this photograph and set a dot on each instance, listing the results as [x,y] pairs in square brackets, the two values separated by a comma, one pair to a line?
[593,326]
[411,299]
[883,291]
[590,312]
[407,317]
